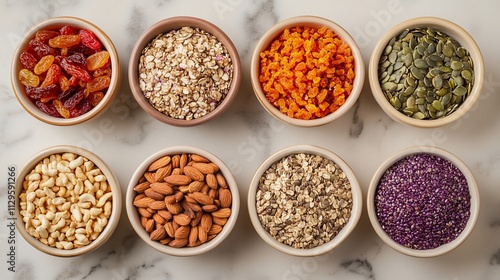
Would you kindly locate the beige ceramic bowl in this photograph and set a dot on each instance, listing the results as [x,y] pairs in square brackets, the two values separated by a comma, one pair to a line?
[314,22]
[115,210]
[135,218]
[473,190]
[451,29]
[54,24]
[357,203]
[174,23]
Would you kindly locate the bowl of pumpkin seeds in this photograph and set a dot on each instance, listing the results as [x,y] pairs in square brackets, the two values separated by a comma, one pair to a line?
[426,72]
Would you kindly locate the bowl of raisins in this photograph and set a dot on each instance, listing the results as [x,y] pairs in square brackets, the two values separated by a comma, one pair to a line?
[65,71]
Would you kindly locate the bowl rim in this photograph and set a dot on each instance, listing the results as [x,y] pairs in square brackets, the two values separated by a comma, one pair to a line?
[57,22]
[450,28]
[173,23]
[315,22]
[133,214]
[356,210]
[112,182]
[473,190]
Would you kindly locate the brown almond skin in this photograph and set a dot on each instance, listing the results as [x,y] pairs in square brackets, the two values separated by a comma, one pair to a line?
[141,187]
[202,234]
[158,205]
[215,229]
[143,202]
[159,219]
[174,208]
[193,236]
[183,161]
[169,228]
[197,219]
[211,181]
[219,221]
[154,195]
[159,163]
[193,173]
[182,232]
[150,225]
[178,243]
[163,172]
[225,198]
[150,176]
[221,181]
[209,208]
[204,168]
[162,188]
[222,213]
[144,212]
[206,221]
[158,234]
[178,180]
[165,214]
[202,198]
[166,240]
[182,219]
[198,158]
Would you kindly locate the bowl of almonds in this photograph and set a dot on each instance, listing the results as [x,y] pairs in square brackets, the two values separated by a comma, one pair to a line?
[304,200]
[68,201]
[65,71]
[182,201]
[426,72]
[184,71]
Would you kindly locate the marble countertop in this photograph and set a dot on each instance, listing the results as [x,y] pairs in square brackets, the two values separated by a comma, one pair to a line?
[246,134]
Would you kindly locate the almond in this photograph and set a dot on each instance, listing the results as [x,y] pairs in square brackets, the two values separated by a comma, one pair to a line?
[190,199]
[159,219]
[139,196]
[202,234]
[204,168]
[158,234]
[219,221]
[198,158]
[215,229]
[141,187]
[178,196]
[159,163]
[187,209]
[163,172]
[193,236]
[221,181]
[144,221]
[144,213]
[154,195]
[176,160]
[194,173]
[213,193]
[169,199]
[150,177]
[209,208]
[201,198]
[195,186]
[211,236]
[176,171]
[222,213]
[169,229]
[143,202]
[162,188]
[184,189]
[166,240]
[150,225]
[183,161]
[182,232]
[206,221]
[182,219]
[197,219]
[225,198]
[174,208]
[178,243]
[194,206]
[157,205]
[165,214]
[215,166]
[211,181]
[178,180]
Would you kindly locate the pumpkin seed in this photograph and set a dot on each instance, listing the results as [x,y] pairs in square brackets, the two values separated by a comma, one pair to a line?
[460,91]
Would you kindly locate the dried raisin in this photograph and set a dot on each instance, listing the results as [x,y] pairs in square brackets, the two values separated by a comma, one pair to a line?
[28,60]
[81,108]
[99,83]
[68,30]
[61,109]
[45,35]
[102,72]
[95,97]
[81,49]
[41,92]
[43,64]
[47,108]
[28,78]
[63,83]
[63,95]
[97,60]
[64,41]
[53,75]
[89,39]
[71,102]
[78,58]
[41,49]
[75,70]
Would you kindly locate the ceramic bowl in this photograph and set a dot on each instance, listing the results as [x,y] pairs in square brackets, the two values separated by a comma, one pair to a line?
[55,24]
[113,185]
[451,29]
[337,239]
[165,26]
[312,22]
[474,201]
[136,218]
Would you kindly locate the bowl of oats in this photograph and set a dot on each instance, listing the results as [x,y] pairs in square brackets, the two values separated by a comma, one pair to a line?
[184,71]
[304,200]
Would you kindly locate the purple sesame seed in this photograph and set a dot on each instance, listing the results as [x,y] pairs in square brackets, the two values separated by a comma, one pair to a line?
[422,201]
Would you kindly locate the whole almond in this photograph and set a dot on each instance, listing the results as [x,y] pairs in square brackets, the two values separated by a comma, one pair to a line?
[176,171]
[145,213]
[169,199]
[182,219]
[183,161]
[209,208]
[158,234]
[143,202]
[178,243]
[187,209]
[184,189]
[150,177]
[206,221]
[215,166]
[211,236]
[141,187]
[198,158]
[193,236]
[193,173]
[182,232]
[157,205]
[197,219]
[221,181]
[178,196]
[174,208]
[144,221]
[202,234]
[166,240]
[211,181]
[159,163]
[176,160]
[201,198]
[225,198]
[150,225]
[159,219]
[222,213]
[154,195]
[204,168]
[215,229]
[165,214]
[139,196]
[163,172]
[196,186]
[169,228]
[162,188]
[178,180]
[219,221]
[194,206]
[213,193]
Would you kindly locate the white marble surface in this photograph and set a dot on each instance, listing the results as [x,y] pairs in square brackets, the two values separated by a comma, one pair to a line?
[245,135]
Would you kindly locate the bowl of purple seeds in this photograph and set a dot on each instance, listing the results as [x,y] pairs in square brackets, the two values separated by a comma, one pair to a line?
[423,201]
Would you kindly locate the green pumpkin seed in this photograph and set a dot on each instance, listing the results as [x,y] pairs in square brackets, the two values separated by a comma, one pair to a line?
[387,50]
[437,105]
[456,65]
[446,99]
[418,116]
[437,82]
[460,91]
[392,57]
[466,74]
[417,73]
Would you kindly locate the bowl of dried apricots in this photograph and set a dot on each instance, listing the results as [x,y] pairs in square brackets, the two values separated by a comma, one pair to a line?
[65,71]
[307,71]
